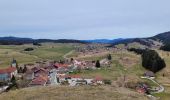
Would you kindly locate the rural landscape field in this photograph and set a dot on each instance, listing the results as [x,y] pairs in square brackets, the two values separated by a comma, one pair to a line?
[124,71]
[84,50]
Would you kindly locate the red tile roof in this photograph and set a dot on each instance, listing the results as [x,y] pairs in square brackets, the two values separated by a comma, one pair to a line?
[74,76]
[41,80]
[61,65]
[7,70]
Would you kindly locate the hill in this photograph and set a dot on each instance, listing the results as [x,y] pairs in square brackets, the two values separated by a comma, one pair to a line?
[163,37]
[148,41]
[73,93]
[20,41]
[103,41]
[157,40]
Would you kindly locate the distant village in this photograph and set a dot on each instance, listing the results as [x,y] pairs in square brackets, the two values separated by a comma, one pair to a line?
[45,73]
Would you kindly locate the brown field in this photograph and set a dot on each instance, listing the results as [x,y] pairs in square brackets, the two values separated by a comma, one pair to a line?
[73,93]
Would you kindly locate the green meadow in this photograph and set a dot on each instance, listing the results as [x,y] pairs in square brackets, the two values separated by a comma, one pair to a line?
[46,51]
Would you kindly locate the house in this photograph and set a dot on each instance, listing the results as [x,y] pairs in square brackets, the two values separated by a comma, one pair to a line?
[40,77]
[142,88]
[6,74]
[39,81]
[73,80]
[149,74]
[41,71]
[81,82]
[62,77]
[29,75]
[98,80]
[59,65]
[54,80]
[89,81]
[62,68]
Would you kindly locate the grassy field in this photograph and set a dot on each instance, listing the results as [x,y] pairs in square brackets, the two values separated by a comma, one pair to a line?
[117,69]
[46,51]
[134,72]
[73,93]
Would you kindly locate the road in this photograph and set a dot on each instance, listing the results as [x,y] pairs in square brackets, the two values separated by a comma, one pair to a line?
[69,53]
[161,88]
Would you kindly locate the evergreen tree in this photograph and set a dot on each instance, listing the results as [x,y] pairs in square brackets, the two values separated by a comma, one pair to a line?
[152,61]
[13,80]
[166,47]
[20,70]
[25,69]
[109,57]
[71,59]
[98,64]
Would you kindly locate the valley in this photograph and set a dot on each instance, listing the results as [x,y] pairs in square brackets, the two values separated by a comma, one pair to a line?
[121,75]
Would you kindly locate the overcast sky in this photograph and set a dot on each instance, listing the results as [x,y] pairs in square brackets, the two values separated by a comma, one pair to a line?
[84,19]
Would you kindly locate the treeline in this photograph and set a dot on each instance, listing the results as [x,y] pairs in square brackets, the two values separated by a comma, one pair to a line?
[166,47]
[150,59]
[137,51]
[21,41]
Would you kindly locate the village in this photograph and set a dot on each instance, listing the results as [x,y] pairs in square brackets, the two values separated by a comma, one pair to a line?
[69,71]
[45,73]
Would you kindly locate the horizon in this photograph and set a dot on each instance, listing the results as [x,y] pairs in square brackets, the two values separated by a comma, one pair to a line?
[83,20]
[79,39]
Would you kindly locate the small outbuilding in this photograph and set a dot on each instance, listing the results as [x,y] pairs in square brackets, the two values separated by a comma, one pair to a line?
[149,74]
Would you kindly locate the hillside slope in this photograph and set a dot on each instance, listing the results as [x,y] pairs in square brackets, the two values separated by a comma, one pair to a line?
[156,40]
[73,93]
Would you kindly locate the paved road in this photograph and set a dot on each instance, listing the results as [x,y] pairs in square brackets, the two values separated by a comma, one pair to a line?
[161,88]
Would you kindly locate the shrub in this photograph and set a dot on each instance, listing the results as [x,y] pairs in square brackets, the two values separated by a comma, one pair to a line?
[108,82]
[29,49]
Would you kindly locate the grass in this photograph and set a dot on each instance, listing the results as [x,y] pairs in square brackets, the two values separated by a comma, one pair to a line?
[164,95]
[116,69]
[46,51]
[73,93]
[6,56]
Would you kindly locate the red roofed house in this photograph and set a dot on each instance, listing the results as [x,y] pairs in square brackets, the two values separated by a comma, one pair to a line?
[58,65]
[39,81]
[98,80]
[40,77]
[6,74]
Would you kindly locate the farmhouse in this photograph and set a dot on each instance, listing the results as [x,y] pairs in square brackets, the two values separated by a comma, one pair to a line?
[6,74]
[149,74]
[98,80]
[29,75]
[39,81]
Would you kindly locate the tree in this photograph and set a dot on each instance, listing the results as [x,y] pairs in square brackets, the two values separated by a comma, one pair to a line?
[165,47]
[20,70]
[36,43]
[13,80]
[72,59]
[98,64]
[29,49]
[109,57]
[25,69]
[152,61]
